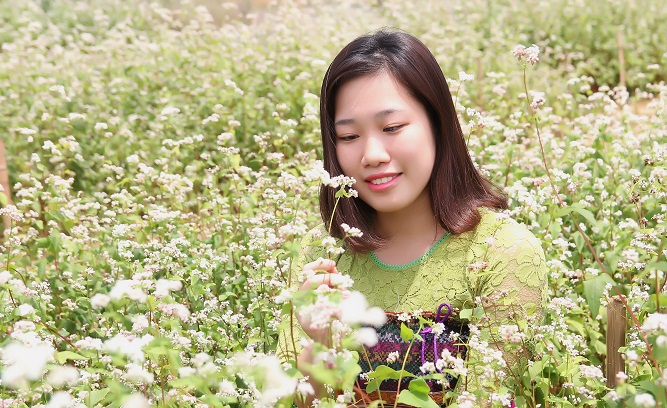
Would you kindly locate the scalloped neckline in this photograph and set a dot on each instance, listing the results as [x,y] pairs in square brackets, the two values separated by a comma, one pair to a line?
[382,264]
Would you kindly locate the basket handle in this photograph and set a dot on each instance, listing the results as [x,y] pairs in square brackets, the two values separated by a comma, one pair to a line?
[439,319]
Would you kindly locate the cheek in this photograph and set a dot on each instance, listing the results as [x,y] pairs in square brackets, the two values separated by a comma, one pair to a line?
[344,157]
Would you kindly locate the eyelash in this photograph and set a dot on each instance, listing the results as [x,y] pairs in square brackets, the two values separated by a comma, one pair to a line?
[347,138]
[392,129]
[388,129]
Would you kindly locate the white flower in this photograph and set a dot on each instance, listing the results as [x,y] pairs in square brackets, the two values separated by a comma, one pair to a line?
[427,368]
[129,288]
[519,51]
[266,373]
[631,355]
[24,363]
[532,54]
[136,374]
[591,372]
[285,295]
[354,310]
[404,317]
[228,388]
[655,321]
[175,309]
[465,77]
[621,377]
[438,328]
[392,357]
[136,400]
[341,281]
[164,286]
[169,110]
[305,389]
[504,399]
[353,232]
[99,300]
[321,313]
[89,343]
[645,400]
[131,346]
[5,276]
[366,336]
[26,309]
[186,372]
[139,323]
[62,375]
[511,333]
[12,212]
[538,100]
[60,399]
[466,400]
[477,266]
[316,172]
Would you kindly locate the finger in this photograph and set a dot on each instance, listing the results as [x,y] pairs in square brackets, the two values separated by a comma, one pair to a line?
[315,281]
[326,265]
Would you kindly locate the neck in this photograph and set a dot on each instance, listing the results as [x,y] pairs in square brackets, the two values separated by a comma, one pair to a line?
[416,224]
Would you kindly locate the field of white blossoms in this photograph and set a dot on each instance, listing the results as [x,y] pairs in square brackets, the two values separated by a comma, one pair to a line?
[163,167]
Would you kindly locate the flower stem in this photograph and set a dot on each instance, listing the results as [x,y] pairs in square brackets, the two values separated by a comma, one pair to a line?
[332,215]
[400,375]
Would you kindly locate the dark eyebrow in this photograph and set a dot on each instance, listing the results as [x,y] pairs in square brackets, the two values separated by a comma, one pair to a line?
[380,114]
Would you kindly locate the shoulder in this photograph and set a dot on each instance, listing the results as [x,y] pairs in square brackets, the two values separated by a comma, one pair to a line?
[500,231]
[510,248]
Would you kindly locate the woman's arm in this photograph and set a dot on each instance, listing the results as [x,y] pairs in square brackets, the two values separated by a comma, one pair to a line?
[510,278]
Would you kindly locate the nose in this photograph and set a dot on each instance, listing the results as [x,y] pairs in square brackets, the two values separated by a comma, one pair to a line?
[375,152]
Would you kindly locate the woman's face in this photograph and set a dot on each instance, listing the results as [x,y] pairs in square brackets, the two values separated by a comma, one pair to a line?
[384,140]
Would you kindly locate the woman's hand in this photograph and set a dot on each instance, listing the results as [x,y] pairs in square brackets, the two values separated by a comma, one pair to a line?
[321,272]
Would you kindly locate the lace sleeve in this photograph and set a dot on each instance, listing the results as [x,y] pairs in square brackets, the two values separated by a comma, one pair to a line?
[509,273]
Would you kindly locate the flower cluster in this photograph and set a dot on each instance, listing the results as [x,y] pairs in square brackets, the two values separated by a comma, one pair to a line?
[530,54]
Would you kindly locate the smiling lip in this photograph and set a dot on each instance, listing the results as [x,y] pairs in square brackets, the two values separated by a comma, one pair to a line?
[383,181]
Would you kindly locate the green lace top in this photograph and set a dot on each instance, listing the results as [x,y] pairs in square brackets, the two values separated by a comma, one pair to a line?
[448,272]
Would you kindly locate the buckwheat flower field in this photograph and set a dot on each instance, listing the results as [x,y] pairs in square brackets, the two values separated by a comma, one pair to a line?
[163,167]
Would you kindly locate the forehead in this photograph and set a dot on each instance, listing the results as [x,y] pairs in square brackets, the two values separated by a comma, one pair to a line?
[369,94]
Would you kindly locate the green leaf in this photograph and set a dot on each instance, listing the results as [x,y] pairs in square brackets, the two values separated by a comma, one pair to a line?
[416,400]
[579,240]
[661,266]
[578,209]
[96,396]
[236,161]
[419,386]
[384,372]
[63,356]
[215,402]
[576,325]
[3,199]
[406,333]
[593,290]
[651,387]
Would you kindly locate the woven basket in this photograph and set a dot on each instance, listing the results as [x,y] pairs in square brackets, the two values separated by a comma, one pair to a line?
[453,338]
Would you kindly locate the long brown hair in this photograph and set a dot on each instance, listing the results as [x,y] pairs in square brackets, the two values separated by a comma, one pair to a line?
[457,189]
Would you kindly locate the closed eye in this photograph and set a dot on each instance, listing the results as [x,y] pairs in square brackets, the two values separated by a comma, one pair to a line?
[347,138]
[391,129]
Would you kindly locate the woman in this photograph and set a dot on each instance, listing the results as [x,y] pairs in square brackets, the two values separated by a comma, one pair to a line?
[432,233]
